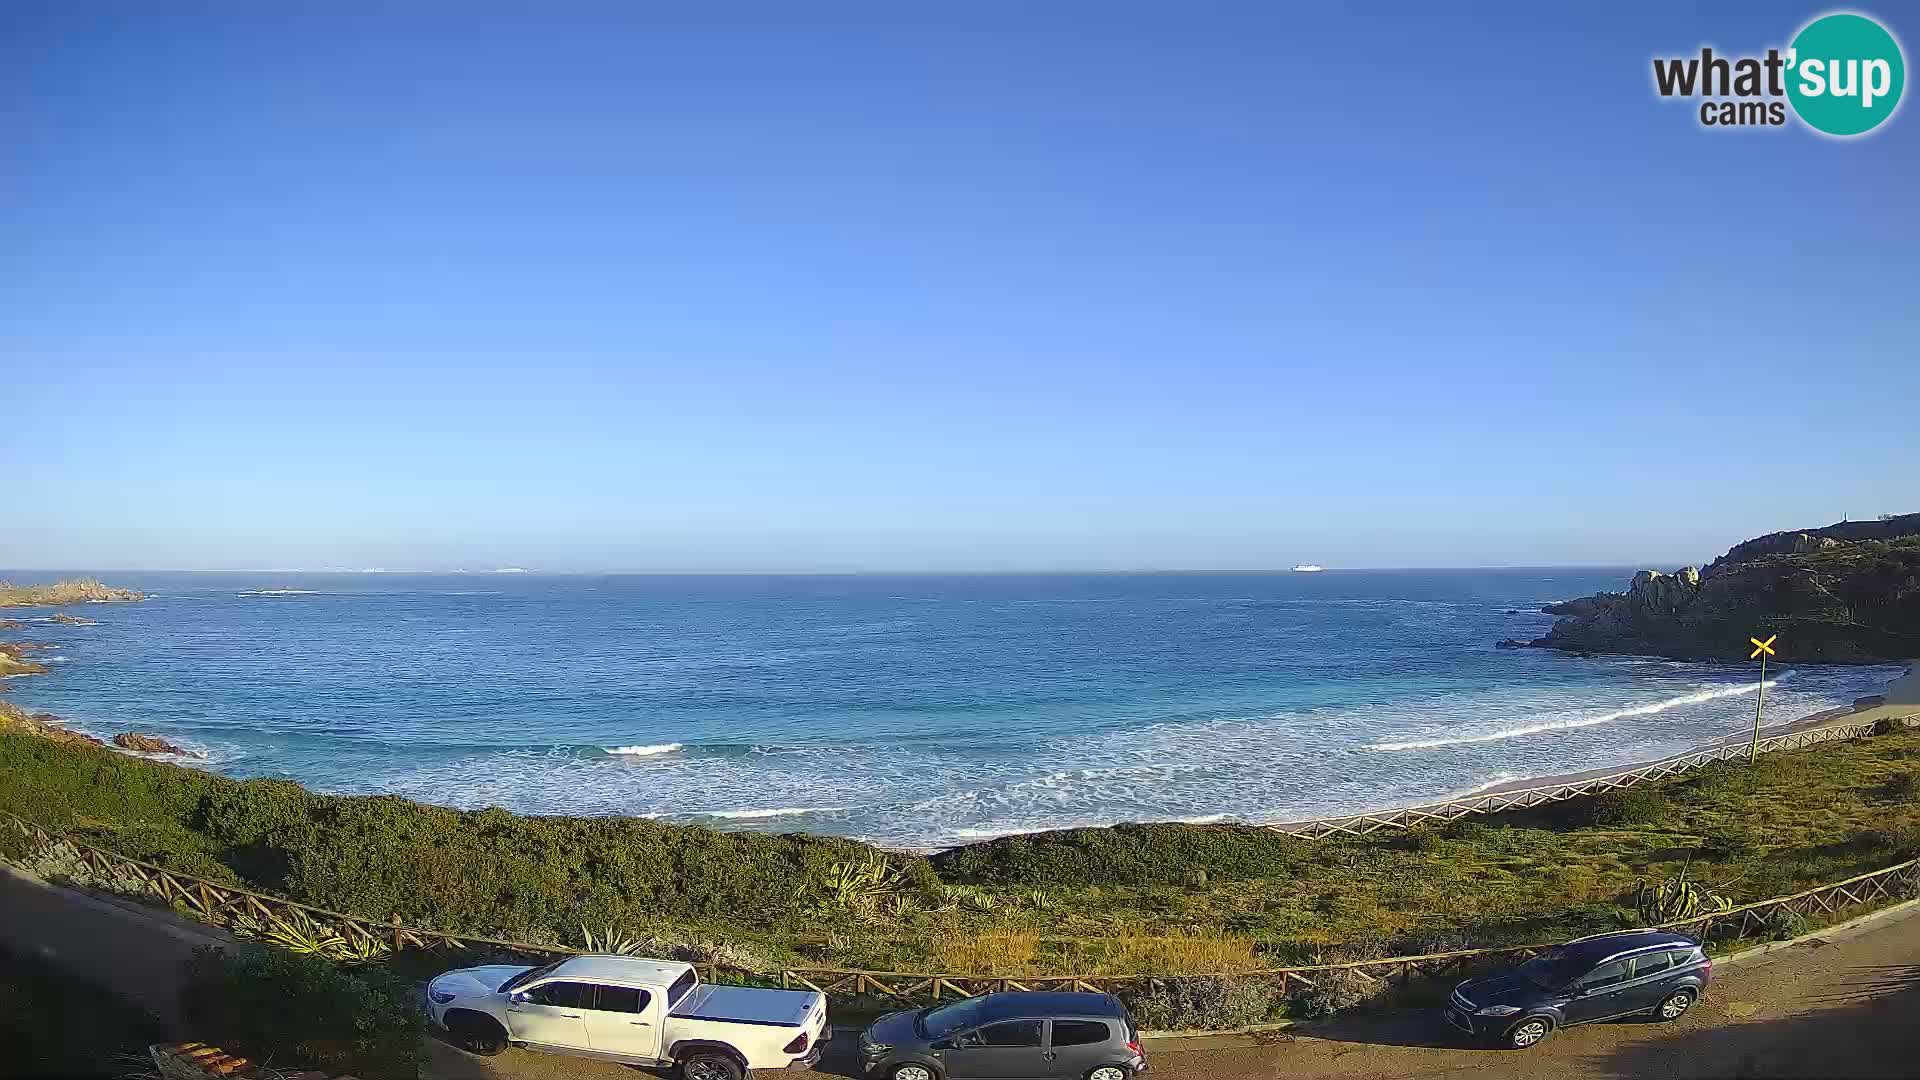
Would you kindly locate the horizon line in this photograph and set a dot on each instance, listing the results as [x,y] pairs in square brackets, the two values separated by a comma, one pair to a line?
[953,572]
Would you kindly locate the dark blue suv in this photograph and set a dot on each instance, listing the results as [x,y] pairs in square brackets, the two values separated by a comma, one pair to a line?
[1595,978]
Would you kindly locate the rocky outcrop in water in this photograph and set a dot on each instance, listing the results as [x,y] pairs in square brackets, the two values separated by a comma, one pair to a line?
[1848,593]
[71,591]
[150,744]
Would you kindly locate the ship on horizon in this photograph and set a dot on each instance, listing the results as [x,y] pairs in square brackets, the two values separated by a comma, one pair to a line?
[1308,568]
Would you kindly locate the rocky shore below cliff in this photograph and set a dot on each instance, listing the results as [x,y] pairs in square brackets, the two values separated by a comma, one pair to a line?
[1844,594]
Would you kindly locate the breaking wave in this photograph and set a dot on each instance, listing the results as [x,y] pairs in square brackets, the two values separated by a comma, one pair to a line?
[646,751]
[1582,722]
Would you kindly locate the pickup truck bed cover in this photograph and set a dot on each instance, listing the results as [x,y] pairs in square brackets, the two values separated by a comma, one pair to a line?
[746,1005]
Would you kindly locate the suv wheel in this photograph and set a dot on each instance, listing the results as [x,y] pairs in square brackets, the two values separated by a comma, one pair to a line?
[711,1067]
[1675,1005]
[913,1072]
[1528,1032]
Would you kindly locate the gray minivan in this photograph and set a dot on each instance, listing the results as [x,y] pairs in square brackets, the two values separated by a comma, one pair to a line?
[1022,1035]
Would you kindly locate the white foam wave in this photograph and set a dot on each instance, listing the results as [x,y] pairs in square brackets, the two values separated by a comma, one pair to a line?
[754,815]
[1488,785]
[1582,722]
[645,751]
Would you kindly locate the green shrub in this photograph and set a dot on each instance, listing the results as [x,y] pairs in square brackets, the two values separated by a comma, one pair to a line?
[275,1006]
[1162,854]
[1423,840]
[1785,923]
[1624,806]
[1903,787]
[483,872]
[1206,1003]
[1336,991]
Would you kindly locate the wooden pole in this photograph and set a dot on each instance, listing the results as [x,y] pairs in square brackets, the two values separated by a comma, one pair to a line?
[1753,751]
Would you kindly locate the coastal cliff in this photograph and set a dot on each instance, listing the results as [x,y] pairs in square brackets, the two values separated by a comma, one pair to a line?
[1847,594]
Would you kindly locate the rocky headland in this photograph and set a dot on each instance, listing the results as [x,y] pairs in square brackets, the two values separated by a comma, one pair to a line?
[1844,594]
[72,591]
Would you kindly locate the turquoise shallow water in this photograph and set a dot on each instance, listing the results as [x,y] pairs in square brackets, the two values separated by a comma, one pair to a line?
[918,711]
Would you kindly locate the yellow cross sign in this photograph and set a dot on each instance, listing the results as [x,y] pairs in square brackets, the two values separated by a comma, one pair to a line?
[1762,647]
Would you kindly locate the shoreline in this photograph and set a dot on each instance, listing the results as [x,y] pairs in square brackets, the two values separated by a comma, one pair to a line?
[1828,717]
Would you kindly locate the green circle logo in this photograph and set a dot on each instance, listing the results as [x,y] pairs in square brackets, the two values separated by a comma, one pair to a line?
[1845,74]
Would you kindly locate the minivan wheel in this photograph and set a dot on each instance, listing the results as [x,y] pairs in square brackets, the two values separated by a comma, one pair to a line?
[1528,1032]
[1108,1072]
[1675,1005]
[913,1072]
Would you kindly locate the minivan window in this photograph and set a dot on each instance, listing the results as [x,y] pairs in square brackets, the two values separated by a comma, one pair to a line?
[621,999]
[1079,1032]
[1010,1033]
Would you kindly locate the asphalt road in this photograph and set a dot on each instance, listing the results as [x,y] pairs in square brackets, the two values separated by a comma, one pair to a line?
[1825,1008]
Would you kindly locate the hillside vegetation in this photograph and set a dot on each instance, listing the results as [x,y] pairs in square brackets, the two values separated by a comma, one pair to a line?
[1129,898]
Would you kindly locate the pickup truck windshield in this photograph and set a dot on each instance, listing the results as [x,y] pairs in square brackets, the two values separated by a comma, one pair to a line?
[679,989]
[529,975]
[947,1019]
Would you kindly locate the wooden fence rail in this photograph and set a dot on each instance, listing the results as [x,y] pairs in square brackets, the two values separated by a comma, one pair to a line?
[1495,801]
[222,905]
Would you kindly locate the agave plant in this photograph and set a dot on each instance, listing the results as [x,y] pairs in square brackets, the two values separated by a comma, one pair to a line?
[968,898]
[859,887]
[1676,899]
[296,931]
[610,940]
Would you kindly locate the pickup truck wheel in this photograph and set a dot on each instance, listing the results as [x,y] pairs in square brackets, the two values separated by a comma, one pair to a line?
[476,1034]
[711,1067]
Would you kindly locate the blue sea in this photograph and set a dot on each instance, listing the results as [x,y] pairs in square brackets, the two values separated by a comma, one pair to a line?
[917,711]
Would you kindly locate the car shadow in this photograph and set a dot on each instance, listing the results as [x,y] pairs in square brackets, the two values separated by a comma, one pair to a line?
[1423,1028]
[1865,1033]
[1397,1027]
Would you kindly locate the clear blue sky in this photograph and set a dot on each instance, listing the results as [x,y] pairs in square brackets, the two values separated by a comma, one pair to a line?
[931,286]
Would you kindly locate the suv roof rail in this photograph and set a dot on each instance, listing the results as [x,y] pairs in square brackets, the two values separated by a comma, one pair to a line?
[1631,930]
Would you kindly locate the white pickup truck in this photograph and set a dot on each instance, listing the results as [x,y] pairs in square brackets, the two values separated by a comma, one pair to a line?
[630,1010]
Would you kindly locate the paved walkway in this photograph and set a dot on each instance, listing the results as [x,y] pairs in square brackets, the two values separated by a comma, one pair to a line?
[1830,1007]
[141,951]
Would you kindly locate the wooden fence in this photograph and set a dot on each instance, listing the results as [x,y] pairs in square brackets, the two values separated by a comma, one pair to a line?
[222,905]
[1495,801]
